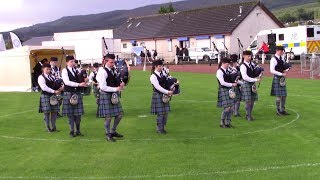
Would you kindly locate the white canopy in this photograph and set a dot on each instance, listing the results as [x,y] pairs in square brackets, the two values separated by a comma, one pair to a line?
[16,65]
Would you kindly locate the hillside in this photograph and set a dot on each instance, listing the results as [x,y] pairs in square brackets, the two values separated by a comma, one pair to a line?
[113,19]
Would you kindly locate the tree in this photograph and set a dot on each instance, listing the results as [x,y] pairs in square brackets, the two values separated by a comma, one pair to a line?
[303,15]
[287,18]
[166,9]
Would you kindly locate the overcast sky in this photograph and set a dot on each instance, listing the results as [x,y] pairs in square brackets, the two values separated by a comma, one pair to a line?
[21,13]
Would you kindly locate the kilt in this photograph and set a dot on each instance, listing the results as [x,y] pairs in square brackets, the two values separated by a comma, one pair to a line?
[68,109]
[238,93]
[246,92]
[95,91]
[276,89]
[157,106]
[106,108]
[224,99]
[44,105]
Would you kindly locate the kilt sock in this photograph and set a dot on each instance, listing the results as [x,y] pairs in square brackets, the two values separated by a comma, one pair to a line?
[53,120]
[251,108]
[47,120]
[160,124]
[278,99]
[71,122]
[116,122]
[283,103]
[248,108]
[236,107]
[229,115]
[165,119]
[77,120]
[107,124]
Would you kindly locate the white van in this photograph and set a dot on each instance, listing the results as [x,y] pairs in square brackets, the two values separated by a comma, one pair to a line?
[298,39]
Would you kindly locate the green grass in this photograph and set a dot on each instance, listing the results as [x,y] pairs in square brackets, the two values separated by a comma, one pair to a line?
[196,147]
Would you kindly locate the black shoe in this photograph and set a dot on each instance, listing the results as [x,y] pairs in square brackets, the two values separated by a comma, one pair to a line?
[78,133]
[55,130]
[279,113]
[284,113]
[115,134]
[222,126]
[161,131]
[72,135]
[110,138]
[249,118]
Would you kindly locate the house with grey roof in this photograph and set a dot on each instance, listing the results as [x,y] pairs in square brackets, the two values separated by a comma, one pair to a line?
[221,25]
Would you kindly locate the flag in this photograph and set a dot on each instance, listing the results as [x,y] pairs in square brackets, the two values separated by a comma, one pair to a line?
[16,43]
[2,43]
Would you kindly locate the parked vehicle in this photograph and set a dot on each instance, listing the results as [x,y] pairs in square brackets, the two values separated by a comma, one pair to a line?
[202,53]
[298,39]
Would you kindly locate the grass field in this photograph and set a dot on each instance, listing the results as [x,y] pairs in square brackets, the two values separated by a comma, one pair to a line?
[195,147]
[293,9]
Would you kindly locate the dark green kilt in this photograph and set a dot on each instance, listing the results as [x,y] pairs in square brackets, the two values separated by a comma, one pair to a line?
[238,93]
[246,92]
[276,89]
[68,109]
[44,105]
[157,106]
[106,108]
[224,99]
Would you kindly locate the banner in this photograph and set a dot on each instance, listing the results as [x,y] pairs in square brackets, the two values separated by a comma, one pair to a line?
[2,43]
[16,43]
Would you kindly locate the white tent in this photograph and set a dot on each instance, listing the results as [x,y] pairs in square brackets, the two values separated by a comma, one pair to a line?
[16,65]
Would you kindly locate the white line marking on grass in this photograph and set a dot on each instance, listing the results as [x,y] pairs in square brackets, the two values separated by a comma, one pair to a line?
[22,112]
[155,139]
[192,173]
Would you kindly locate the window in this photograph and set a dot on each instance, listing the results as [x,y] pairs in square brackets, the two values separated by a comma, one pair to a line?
[310,32]
[318,32]
[281,37]
[124,45]
[169,45]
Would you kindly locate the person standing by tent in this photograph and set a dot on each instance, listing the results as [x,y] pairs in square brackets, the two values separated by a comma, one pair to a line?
[55,71]
[109,100]
[72,98]
[47,106]
[37,71]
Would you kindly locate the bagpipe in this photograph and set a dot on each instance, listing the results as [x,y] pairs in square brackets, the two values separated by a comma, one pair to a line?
[122,71]
[82,76]
[235,75]
[171,84]
[257,72]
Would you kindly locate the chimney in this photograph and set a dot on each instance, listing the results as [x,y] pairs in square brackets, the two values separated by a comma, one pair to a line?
[240,9]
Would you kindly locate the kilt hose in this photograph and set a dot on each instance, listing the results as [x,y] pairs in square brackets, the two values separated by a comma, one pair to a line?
[246,92]
[72,110]
[157,106]
[106,108]
[276,89]
[44,105]
[95,91]
[224,99]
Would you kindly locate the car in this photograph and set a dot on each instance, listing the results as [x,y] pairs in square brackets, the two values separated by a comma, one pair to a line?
[202,53]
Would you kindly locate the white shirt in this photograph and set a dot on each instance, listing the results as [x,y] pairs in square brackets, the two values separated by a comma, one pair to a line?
[243,70]
[102,80]
[154,81]
[66,79]
[91,75]
[273,64]
[219,75]
[43,85]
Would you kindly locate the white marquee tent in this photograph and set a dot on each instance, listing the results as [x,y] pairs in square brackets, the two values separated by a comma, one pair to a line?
[16,65]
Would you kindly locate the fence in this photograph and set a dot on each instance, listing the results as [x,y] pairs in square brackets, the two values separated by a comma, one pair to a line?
[310,63]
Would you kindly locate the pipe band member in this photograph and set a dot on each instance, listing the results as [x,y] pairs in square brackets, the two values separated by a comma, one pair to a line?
[249,79]
[279,89]
[224,100]
[109,88]
[234,68]
[71,89]
[158,107]
[46,83]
